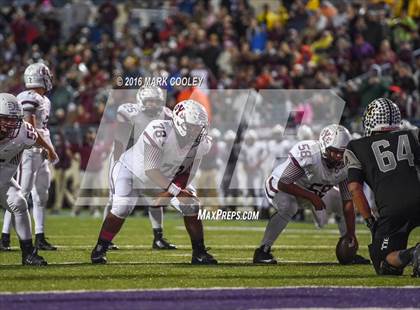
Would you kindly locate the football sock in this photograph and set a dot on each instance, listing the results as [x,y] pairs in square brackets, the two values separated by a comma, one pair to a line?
[5,237]
[195,230]
[156,217]
[102,244]
[157,233]
[7,222]
[39,218]
[198,245]
[22,224]
[26,246]
[106,235]
[274,227]
[40,236]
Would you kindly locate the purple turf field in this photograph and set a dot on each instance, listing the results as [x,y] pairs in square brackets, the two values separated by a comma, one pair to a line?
[312,297]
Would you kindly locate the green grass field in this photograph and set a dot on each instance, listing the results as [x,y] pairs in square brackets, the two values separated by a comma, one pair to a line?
[306,255]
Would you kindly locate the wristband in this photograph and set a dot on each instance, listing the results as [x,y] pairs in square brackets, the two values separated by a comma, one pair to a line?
[174,190]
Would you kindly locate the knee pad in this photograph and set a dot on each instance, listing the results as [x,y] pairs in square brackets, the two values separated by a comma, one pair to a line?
[189,210]
[18,205]
[288,210]
[186,209]
[40,199]
[123,206]
[385,269]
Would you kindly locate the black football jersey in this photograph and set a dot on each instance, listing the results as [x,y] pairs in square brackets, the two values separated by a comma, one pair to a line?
[388,163]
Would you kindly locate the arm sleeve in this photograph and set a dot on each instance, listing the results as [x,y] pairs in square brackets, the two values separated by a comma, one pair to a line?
[354,166]
[291,172]
[152,157]
[344,190]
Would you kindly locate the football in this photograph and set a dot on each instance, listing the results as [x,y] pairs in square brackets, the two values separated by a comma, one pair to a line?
[345,250]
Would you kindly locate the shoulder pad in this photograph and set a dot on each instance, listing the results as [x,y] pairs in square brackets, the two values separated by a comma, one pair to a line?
[27,134]
[304,153]
[127,111]
[30,98]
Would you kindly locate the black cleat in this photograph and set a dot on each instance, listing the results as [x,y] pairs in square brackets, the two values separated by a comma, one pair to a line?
[41,243]
[202,258]
[163,244]
[263,255]
[34,259]
[416,262]
[113,247]
[360,260]
[5,242]
[98,255]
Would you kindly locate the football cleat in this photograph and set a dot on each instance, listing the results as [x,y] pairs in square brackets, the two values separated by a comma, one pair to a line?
[113,247]
[41,243]
[416,261]
[33,259]
[360,260]
[98,255]
[163,244]
[5,242]
[203,258]
[263,255]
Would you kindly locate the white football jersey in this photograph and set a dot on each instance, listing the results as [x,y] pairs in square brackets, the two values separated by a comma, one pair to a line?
[11,151]
[318,177]
[175,160]
[137,121]
[41,106]
[252,154]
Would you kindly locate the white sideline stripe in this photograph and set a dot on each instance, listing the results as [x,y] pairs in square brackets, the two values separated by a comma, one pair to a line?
[249,262]
[287,230]
[317,308]
[211,289]
[213,246]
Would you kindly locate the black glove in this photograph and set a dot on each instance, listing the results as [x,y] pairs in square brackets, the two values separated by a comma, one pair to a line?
[371,224]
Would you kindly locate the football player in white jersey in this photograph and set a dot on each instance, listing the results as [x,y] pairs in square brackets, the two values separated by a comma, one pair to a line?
[16,135]
[34,175]
[312,169]
[132,119]
[164,160]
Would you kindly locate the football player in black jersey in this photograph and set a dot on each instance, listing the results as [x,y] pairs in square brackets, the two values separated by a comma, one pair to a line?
[387,159]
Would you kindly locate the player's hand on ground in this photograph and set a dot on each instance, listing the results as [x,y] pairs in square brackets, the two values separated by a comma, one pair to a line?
[317,202]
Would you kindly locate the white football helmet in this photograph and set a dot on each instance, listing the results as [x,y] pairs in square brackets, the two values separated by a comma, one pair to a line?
[333,140]
[251,135]
[305,132]
[38,75]
[151,100]
[215,133]
[190,120]
[230,135]
[11,116]
[381,115]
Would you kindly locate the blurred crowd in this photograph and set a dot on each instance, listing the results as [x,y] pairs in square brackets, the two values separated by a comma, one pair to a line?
[360,49]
